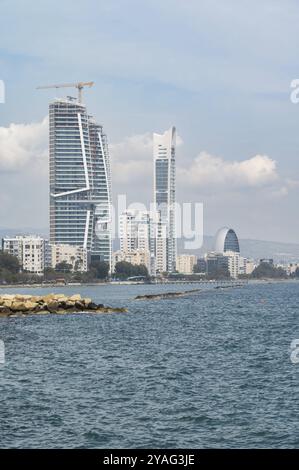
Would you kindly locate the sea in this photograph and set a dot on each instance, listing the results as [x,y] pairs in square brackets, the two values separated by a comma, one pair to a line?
[212,369]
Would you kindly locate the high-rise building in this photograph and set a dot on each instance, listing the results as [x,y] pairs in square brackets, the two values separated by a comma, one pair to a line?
[164,189]
[80,182]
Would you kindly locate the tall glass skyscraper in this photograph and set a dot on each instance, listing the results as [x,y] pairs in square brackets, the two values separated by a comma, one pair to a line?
[164,189]
[80,181]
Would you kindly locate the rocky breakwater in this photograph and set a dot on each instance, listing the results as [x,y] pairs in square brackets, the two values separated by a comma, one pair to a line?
[22,305]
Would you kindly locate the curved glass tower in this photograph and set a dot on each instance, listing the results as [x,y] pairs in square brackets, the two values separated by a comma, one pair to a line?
[80,181]
[227,240]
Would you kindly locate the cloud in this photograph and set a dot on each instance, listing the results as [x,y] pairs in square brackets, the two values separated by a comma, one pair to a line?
[24,146]
[131,158]
[210,171]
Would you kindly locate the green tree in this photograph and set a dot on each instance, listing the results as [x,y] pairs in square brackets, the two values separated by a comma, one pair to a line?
[63,267]
[268,271]
[100,269]
[123,269]
[9,262]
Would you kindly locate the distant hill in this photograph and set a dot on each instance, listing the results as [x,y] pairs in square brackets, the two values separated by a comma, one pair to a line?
[256,249]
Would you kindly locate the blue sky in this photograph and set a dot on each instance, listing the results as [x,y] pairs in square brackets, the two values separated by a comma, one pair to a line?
[220,70]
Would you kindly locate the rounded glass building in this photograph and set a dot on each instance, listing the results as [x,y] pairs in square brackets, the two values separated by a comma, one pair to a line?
[227,240]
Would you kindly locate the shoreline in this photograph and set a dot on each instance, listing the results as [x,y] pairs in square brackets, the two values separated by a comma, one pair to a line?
[132,283]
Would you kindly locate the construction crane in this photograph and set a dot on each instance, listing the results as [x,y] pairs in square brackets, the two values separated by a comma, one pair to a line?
[78,85]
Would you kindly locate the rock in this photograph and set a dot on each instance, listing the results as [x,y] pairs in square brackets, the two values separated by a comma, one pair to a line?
[23,304]
[48,298]
[31,305]
[80,305]
[7,297]
[18,307]
[4,311]
[53,306]
[93,306]
[75,297]
[23,297]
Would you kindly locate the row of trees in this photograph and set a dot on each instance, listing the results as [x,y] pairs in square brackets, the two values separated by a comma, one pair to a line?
[262,271]
[10,272]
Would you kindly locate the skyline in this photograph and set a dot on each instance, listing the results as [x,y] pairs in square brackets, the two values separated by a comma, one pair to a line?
[238,140]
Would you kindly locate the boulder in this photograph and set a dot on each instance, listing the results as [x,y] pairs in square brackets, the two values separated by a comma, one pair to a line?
[80,305]
[52,306]
[7,297]
[22,297]
[75,297]
[18,307]
[93,306]
[31,305]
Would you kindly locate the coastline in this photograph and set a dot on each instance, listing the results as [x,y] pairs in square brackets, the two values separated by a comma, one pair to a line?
[235,282]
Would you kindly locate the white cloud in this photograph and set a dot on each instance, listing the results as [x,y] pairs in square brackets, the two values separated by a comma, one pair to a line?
[24,146]
[209,171]
[131,158]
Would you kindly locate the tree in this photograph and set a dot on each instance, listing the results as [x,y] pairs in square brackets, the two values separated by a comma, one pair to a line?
[268,271]
[124,269]
[9,262]
[63,267]
[100,269]
[218,273]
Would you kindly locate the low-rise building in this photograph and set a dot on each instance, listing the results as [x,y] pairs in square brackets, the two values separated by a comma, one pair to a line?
[76,256]
[135,257]
[30,250]
[216,263]
[185,263]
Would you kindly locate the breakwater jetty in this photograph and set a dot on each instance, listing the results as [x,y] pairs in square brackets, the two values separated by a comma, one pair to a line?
[22,305]
[166,295]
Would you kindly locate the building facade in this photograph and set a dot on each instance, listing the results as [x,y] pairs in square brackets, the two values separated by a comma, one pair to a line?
[216,263]
[80,181]
[185,263]
[76,256]
[164,189]
[136,257]
[31,251]
[227,240]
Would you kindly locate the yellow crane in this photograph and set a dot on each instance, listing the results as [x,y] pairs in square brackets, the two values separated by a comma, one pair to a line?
[78,85]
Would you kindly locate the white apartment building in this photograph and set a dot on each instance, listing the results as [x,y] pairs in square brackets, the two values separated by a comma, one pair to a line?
[30,250]
[185,263]
[164,189]
[76,256]
[144,232]
[233,263]
[134,230]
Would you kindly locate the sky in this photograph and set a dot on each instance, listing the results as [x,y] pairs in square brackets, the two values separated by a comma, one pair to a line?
[219,70]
